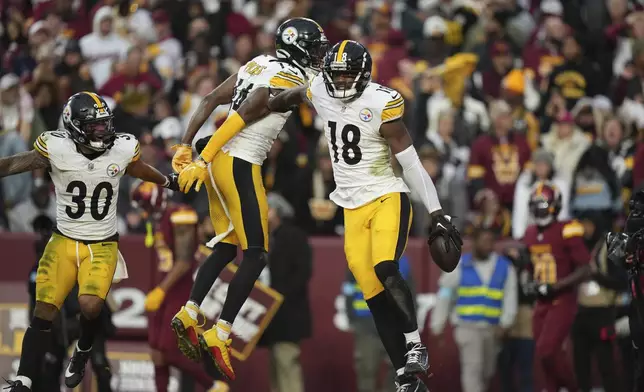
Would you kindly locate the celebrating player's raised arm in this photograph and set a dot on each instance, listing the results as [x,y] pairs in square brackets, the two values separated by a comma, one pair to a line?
[145,172]
[287,99]
[221,95]
[23,162]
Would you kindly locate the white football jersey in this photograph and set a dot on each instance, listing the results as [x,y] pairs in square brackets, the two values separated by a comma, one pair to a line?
[86,189]
[253,142]
[360,155]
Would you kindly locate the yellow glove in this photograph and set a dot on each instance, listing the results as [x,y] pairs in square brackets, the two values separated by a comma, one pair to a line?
[182,157]
[194,174]
[154,299]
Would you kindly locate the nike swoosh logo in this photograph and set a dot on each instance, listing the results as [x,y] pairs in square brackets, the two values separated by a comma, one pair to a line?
[440,226]
[383,200]
[67,372]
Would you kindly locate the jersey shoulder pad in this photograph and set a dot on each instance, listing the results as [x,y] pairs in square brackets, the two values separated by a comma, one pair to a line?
[50,141]
[184,215]
[128,146]
[571,229]
[284,75]
[389,101]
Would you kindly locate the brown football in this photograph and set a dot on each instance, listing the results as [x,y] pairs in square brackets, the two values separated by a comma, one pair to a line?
[444,259]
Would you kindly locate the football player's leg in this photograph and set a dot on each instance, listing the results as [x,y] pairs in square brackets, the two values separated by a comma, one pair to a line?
[357,248]
[161,370]
[186,321]
[390,231]
[556,365]
[95,274]
[245,198]
[54,280]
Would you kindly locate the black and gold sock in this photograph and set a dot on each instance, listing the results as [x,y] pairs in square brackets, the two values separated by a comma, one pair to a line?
[251,267]
[391,335]
[35,344]
[221,255]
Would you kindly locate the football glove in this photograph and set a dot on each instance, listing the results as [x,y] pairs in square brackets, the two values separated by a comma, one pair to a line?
[442,227]
[172,182]
[182,157]
[194,174]
[544,291]
[154,299]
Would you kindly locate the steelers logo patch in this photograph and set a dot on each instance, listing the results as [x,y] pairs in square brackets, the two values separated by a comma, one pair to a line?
[113,170]
[366,115]
[289,35]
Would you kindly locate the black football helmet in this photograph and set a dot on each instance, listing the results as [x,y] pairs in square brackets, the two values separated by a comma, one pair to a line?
[545,203]
[88,120]
[347,69]
[301,41]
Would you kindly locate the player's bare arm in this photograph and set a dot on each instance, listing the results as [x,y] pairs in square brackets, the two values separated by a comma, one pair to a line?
[284,101]
[571,281]
[184,240]
[221,95]
[145,172]
[23,162]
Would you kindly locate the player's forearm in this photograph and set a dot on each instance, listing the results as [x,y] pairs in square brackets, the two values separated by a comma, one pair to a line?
[145,172]
[283,101]
[416,177]
[22,162]
[252,109]
[219,96]
[571,281]
[179,269]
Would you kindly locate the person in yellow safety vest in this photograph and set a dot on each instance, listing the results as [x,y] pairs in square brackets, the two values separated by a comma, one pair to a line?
[481,296]
[369,353]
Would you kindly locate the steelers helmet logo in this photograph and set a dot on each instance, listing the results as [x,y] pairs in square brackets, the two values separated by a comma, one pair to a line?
[289,35]
[366,115]
[67,114]
[113,170]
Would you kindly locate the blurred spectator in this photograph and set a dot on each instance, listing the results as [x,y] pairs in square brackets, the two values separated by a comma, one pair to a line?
[488,82]
[482,295]
[459,15]
[290,262]
[338,28]
[488,214]
[442,139]
[190,100]
[593,333]
[103,47]
[133,87]
[280,166]
[16,107]
[23,215]
[72,13]
[577,77]
[497,159]
[73,72]
[15,188]
[567,143]
[368,351]
[165,52]
[541,170]
[168,128]
[518,92]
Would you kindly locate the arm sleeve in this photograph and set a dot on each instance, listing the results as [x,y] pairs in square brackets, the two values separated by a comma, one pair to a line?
[417,179]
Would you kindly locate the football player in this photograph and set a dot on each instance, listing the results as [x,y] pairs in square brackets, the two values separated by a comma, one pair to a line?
[230,166]
[175,243]
[364,126]
[86,160]
[560,261]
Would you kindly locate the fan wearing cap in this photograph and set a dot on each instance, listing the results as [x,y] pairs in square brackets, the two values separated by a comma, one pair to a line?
[518,92]
[488,82]
[173,228]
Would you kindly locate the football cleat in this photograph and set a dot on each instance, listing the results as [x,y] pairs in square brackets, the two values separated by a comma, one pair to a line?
[216,355]
[76,368]
[16,386]
[417,359]
[185,327]
[407,383]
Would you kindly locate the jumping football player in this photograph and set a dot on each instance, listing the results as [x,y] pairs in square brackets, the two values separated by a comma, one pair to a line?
[230,166]
[175,243]
[363,126]
[86,160]
[560,261]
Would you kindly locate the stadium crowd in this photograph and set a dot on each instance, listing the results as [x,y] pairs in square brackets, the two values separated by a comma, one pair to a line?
[500,94]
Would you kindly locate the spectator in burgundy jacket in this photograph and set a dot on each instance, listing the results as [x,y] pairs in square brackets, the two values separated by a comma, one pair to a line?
[498,158]
[488,82]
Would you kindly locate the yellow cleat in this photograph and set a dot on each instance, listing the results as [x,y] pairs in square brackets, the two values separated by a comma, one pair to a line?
[216,352]
[185,327]
[219,386]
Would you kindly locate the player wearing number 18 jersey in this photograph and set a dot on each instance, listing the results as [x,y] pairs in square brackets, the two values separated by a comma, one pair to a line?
[363,127]
[560,261]
[86,161]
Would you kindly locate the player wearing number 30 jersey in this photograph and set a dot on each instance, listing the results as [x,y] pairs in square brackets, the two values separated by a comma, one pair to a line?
[363,126]
[86,160]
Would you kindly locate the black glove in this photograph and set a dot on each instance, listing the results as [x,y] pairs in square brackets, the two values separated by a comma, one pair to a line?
[442,227]
[544,291]
[172,182]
